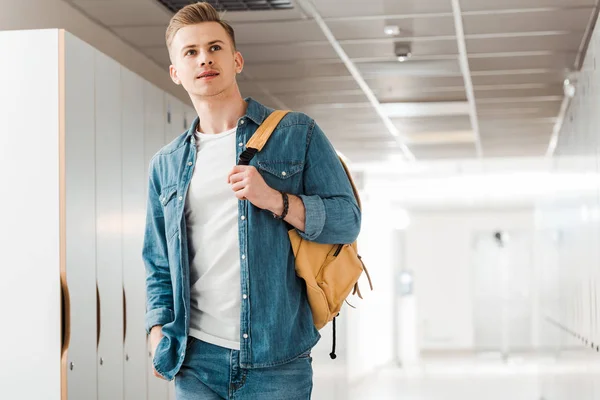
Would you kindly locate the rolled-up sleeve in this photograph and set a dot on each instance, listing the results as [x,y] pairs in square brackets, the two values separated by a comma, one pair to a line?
[332,212]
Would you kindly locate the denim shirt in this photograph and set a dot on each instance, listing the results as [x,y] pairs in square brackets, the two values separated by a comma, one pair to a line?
[276,323]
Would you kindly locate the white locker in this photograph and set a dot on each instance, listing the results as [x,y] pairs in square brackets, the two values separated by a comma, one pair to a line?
[134,184]
[109,258]
[32,232]
[81,217]
[72,231]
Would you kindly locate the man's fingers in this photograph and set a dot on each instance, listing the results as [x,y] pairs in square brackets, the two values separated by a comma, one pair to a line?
[238,185]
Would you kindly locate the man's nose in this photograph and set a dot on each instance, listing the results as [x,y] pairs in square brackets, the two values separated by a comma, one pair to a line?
[205,59]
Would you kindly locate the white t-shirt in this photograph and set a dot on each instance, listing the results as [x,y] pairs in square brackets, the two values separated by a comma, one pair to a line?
[211,212]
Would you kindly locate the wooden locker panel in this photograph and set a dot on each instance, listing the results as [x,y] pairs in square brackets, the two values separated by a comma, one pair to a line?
[134,201]
[30,239]
[109,227]
[80,217]
[154,140]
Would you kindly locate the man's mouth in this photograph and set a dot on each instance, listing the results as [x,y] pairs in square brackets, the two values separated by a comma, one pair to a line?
[208,74]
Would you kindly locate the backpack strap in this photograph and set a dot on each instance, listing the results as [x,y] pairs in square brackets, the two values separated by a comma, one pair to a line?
[261,136]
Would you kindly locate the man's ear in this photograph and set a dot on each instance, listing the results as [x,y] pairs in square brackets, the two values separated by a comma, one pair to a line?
[239,62]
[173,73]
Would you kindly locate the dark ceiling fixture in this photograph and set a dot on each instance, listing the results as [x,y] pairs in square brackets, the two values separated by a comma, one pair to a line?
[232,5]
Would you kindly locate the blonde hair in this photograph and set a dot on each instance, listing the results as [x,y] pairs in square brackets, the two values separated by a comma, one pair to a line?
[193,14]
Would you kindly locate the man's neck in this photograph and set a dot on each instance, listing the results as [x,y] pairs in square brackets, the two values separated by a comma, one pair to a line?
[219,114]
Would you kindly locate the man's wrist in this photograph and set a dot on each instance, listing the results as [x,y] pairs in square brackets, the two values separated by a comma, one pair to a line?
[276,203]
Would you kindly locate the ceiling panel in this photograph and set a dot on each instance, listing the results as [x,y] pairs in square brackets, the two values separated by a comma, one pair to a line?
[422,48]
[346,8]
[547,90]
[541,20]
[533,110]
[412,68]
[426,152]
[491,5]
[286,52]
[558,61]
[287,31]
[555,42]
[545,77]
[409,27]
[144,36]
[256,17]
[415,82]
[302,86]
[295,71]
[304,99]
[125,13]
[433,124]
[420,96]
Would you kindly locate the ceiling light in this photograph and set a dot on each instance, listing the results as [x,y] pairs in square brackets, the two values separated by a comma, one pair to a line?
[391,30]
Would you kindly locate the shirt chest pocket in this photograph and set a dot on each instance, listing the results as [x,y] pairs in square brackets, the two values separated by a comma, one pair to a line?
[285,176]
[169,200]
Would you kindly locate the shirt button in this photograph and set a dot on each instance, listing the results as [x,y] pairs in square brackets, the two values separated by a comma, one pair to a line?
[243,257]
[240,144]
[190,163]
[244,296]
[245,336]
[242,121]
[283,173]
[243,217]
[180,198]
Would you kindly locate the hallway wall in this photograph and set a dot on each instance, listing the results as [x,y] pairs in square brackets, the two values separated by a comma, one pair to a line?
[569,245]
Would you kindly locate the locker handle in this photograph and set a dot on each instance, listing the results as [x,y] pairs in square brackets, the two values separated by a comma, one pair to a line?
[65,315]
[124,315]
[98,318]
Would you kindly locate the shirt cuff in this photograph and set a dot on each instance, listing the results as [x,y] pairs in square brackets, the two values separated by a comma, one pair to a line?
[158,316]
[314,219]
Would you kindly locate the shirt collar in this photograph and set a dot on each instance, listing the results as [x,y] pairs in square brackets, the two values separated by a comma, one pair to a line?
[255,112]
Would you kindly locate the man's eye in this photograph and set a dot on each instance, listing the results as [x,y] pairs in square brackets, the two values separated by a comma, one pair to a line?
[215,47]
[190,51]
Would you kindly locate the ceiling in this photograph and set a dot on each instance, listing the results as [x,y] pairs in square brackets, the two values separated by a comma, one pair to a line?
[485,77]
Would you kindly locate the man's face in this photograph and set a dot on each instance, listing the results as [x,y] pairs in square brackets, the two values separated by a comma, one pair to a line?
[204,60]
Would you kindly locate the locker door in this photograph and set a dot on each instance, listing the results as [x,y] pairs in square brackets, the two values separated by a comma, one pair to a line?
[134,183]
[81,221]
[30,337]
[108,228]
[154,139]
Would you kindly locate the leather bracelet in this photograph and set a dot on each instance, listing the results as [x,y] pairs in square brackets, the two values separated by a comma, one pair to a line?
[286,206]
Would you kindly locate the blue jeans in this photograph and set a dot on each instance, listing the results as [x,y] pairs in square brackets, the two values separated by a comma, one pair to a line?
[213,372]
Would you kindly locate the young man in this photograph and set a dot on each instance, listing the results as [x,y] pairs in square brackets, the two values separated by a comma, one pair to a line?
[226,313]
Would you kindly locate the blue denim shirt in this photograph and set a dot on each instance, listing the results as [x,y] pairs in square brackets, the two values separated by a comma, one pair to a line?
[275,322]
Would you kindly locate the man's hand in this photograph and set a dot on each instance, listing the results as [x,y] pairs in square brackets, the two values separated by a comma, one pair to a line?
[247,184]
[155,336]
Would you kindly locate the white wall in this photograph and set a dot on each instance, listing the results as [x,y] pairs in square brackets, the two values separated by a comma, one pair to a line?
[569,237]
[439,252]
[370,326]
[43,14]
